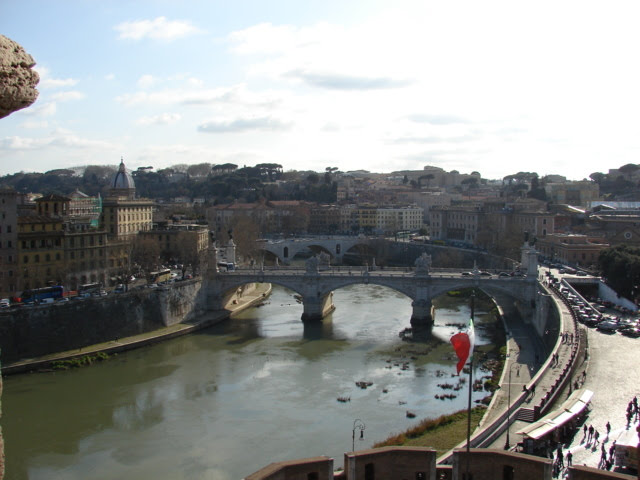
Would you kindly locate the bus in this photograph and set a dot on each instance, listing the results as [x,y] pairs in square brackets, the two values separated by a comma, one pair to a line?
[160,276]
[40,294]
[89,288]
[226,266]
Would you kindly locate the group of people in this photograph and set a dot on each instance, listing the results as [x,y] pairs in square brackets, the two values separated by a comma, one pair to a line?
[567,337]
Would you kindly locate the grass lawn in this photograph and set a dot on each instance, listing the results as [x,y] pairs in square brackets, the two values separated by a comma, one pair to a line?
[442,433]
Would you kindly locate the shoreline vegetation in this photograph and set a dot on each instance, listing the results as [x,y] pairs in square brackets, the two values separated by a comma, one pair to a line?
[446,431]
[442,433]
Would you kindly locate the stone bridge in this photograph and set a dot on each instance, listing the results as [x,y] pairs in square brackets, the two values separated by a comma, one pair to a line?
[336,246]
[316,287]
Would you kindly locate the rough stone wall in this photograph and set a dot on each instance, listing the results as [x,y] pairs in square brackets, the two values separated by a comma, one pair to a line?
[18,80]
[35,331]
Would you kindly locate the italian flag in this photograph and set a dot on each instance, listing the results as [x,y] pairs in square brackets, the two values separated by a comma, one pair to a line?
[463,345]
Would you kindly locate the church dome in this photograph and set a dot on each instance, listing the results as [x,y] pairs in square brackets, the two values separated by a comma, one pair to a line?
[123,179]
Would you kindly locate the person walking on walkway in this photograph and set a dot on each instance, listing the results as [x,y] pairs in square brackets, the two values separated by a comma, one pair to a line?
[569,458]
[590,433]
[608,426]
[603,458]
[597,436]
[612,450]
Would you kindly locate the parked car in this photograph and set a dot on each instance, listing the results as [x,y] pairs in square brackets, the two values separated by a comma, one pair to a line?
[633,332]
[608,326]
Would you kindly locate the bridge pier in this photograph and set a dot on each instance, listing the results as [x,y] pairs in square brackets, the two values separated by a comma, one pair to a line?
[315,308]
[422,318]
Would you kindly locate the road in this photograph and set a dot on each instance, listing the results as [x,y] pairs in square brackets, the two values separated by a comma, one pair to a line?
[612,376]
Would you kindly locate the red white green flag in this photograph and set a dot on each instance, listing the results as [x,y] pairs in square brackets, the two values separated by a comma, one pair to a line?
[463,345]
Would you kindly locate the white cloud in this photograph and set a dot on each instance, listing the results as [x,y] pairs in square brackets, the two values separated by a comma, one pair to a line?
[46,109]
[110,76]
[191,94]
[46,81]
[162,119]
[157,29]
[68,96]
[146,81]
[34,125]
[62,139]
[243,125]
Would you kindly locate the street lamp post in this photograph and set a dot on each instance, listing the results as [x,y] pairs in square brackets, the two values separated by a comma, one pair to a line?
[357,425]
[507,445]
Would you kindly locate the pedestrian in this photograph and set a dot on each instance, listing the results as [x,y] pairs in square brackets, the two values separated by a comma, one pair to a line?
[608,426]
[597,436]
[590,433]
[569,458]
[560,457]
[612,450]
[603,459]
[533,389]
[584,429]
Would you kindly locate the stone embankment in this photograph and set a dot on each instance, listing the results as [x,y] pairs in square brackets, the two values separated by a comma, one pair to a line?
[112,324]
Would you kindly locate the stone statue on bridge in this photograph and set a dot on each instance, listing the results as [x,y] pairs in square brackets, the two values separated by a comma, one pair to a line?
[423,264]
[312,264]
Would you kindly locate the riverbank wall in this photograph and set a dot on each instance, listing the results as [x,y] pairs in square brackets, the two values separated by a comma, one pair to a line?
[29,333]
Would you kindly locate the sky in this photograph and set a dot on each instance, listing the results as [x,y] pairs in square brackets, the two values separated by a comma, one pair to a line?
[496,87]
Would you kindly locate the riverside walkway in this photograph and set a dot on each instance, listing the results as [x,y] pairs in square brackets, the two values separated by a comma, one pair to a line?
[136,341]
[527,366]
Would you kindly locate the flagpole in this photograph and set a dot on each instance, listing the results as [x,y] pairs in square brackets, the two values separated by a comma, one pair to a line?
[473,297]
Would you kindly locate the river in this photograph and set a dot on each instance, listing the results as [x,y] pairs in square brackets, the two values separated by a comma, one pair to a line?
[226,401]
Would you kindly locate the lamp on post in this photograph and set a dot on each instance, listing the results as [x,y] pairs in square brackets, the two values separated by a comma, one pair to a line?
[507,445]
[357,425]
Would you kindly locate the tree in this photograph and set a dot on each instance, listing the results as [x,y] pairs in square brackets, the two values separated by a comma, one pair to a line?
[428,177]
[199,170]
[245,233]
[146,253]
[629,168]
[620,265]
[597,177]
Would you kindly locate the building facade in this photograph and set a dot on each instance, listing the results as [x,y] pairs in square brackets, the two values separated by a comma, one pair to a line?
[8,243]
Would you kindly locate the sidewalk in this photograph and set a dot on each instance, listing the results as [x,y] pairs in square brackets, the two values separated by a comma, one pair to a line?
[143,339]
[521,370]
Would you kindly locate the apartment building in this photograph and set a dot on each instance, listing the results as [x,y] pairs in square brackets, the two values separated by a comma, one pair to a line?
[8,242]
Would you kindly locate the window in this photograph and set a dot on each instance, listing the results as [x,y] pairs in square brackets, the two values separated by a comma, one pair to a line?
[37,258]
[25,259]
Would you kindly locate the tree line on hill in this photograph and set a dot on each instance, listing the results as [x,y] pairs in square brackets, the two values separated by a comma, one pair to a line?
[246,184]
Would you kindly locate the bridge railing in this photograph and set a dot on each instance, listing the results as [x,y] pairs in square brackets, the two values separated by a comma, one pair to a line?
[362,270]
